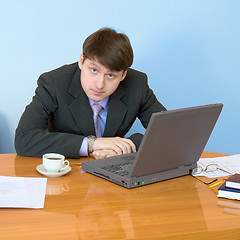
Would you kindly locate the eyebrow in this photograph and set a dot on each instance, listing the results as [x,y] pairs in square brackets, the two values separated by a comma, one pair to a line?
[94,64]
[109,71]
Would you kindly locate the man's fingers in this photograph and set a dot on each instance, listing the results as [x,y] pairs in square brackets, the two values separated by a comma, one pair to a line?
[130,144]
[117,144]
[124,146]
[99,154]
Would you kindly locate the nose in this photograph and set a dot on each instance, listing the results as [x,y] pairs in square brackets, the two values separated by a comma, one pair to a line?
[100,82]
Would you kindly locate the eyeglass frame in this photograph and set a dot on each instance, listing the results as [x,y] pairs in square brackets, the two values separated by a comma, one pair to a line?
[205,170]
[212,164]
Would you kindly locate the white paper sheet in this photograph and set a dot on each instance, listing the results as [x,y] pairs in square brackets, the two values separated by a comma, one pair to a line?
[230,164]
[20,192]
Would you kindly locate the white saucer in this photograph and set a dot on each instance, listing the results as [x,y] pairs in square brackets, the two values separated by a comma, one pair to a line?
[42,170]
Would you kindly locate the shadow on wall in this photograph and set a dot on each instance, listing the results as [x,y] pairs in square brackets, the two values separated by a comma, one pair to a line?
[6,138]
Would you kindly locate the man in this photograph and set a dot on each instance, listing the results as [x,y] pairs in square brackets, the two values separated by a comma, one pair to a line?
[86,108]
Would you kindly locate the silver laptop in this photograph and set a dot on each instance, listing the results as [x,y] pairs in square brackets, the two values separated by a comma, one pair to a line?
[171,146]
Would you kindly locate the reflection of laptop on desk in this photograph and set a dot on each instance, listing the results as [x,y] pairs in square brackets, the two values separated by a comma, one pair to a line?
[171,146]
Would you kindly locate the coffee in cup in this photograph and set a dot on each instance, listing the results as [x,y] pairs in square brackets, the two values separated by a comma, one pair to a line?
[54,162]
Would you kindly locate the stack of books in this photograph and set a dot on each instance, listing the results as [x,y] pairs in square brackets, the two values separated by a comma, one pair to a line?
[230,188]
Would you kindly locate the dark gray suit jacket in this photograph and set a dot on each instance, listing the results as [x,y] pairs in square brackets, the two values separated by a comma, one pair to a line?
[61,106]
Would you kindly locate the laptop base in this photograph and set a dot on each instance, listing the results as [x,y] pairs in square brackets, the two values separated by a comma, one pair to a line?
[133,182]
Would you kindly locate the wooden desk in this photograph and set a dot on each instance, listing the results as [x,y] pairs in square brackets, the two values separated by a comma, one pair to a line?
[82,206]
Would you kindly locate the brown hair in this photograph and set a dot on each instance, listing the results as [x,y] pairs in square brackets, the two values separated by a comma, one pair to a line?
[111,49]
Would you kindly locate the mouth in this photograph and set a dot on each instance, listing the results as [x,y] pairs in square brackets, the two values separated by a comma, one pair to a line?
[96,92]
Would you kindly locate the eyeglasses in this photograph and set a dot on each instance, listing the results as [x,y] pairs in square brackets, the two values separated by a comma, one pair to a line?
[209,168]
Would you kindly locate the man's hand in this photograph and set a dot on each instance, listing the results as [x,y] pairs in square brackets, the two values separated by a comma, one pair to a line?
[103,153]
[118,145]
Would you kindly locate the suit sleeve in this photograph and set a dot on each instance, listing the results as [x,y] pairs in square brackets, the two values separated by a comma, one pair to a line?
[32,137]
[149,104]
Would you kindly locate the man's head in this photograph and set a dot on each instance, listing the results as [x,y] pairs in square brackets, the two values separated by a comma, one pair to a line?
[104,62]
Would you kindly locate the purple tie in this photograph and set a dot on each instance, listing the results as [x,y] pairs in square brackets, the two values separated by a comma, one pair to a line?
[96,110]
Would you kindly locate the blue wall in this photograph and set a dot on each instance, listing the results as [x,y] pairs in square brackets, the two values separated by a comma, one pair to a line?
[189,49]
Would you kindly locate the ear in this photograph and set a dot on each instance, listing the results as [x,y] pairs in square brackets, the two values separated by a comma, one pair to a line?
[80,62]
[124,75]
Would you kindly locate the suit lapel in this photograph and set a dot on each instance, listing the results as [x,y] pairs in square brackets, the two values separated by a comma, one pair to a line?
[116,112]
[80,107]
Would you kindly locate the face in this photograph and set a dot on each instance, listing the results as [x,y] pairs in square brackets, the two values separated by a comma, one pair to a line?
[97,81]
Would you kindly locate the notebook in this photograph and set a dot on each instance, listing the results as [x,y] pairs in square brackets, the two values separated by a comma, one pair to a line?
[170,148]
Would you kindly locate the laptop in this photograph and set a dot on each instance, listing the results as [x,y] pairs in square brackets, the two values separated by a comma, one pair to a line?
[171,146]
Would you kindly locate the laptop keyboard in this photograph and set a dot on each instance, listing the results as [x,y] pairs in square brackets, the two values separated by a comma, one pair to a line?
[120,169]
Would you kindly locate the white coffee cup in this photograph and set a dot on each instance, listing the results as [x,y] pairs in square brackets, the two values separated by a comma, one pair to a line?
[54,162]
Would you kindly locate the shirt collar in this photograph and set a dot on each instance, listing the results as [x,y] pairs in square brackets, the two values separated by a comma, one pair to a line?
[102,103]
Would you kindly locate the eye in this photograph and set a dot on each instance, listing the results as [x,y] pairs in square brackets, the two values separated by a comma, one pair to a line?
[94,70]
[110,75]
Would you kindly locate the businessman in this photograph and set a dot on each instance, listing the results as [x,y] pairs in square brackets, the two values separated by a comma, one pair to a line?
[86,108]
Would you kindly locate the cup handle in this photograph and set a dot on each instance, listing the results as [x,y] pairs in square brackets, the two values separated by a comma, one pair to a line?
[66,161]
